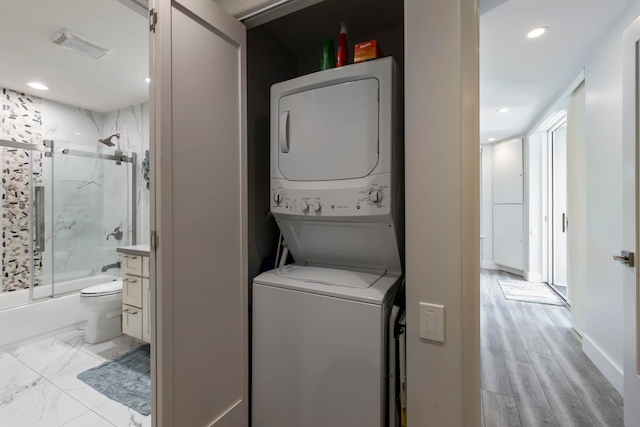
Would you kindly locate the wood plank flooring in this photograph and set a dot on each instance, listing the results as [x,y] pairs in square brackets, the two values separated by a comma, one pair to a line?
[534,372]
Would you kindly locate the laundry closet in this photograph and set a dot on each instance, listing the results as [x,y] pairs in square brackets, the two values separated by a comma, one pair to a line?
[329,168]
[214,199]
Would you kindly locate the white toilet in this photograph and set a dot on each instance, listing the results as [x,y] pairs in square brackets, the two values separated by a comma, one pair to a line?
[104,304]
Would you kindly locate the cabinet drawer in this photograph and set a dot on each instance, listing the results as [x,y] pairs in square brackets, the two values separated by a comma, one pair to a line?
[145,266]
[132,321]
[132,264]
[132,291]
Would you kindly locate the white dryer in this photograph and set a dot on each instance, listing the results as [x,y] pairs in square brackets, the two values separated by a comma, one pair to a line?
[319,326]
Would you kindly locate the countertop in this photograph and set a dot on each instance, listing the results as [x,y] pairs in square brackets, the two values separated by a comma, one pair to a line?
[140,250]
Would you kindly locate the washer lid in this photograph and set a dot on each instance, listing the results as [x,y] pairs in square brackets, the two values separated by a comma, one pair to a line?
[330,276]
[104,288]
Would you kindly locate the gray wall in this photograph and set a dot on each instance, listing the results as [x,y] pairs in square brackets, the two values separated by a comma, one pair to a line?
[268,62]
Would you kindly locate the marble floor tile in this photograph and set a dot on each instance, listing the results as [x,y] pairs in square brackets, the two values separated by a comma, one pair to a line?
[51,357]
[40,404]
[78,389]
[113,348]
[88,419]
[75,337]
[121,415]
[14,374]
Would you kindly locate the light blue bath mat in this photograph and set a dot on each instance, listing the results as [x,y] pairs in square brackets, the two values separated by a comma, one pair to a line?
[125,379]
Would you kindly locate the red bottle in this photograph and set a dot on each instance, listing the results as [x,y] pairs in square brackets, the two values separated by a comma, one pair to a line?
[343,50]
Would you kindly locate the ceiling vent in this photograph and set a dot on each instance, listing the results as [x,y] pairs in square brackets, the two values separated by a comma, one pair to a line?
[79,43]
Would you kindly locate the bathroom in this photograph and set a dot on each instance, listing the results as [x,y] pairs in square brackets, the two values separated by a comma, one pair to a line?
[73,152]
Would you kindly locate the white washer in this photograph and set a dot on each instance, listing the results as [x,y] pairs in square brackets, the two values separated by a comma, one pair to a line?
[319,347]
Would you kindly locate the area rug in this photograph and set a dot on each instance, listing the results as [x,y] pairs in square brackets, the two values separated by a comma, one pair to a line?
[539,293]
[125,379]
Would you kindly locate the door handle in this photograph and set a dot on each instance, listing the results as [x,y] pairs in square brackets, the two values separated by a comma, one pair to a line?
[283,132]
[39,214]
[626,258]
[564,222]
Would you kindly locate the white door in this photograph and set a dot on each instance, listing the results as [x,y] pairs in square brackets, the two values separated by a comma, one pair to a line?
[507,172]
[508,246]
[631,120]
[199,271]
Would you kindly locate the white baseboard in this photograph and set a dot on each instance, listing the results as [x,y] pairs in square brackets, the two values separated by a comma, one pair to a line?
[604,363]
[490,265]
[533,277]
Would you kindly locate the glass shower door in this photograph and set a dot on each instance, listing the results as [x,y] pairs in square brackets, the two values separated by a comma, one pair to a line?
[91,211]
[25,276]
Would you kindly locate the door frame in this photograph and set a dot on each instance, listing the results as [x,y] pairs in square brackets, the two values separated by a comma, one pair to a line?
[549,167]
[547,192]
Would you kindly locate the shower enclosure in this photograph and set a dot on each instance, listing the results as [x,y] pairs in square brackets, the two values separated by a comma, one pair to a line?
[65,209]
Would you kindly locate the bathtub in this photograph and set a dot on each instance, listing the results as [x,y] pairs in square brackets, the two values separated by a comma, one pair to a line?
[32,320]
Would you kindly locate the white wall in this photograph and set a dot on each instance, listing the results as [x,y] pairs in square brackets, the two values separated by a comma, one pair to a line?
[603,338]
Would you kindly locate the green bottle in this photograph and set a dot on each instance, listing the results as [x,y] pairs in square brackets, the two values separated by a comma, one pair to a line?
[328,55]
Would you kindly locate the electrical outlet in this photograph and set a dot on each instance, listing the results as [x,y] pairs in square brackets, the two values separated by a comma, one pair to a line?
[432,322]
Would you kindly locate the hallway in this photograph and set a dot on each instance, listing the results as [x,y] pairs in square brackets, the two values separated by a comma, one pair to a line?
[534,372]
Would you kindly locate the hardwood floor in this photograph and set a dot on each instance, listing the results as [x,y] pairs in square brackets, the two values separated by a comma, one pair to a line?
[534,372]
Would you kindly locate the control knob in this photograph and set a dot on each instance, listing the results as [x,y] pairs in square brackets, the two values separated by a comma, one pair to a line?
[277,197]
[375,196]
[305,207]
[316,207]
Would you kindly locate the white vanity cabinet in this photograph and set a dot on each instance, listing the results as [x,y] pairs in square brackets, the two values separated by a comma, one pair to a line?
[136,311]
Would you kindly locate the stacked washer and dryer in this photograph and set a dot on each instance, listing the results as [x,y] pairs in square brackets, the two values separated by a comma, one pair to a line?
[320,327]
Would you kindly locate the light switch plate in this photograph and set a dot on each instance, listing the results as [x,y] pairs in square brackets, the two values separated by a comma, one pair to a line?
[432,322]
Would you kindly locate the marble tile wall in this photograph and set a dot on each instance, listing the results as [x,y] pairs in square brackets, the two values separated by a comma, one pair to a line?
[85,198]
[21,122]
[133,125]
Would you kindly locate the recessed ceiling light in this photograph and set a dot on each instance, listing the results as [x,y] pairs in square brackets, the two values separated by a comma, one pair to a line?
[537,32]
[38,86]
[502,110]
[491,139]
[147,79]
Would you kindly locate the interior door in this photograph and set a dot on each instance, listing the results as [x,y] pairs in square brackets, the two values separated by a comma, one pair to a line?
[198,122]
[559,219]
[631,120]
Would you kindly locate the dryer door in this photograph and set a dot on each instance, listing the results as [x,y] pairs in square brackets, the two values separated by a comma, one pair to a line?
[329,133]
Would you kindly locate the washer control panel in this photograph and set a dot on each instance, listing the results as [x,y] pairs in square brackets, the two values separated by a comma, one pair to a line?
[372,199]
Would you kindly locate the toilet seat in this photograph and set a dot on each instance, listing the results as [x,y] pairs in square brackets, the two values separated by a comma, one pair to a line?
[110,288]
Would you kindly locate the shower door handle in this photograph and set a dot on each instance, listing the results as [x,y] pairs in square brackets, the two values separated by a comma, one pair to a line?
[39,213]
